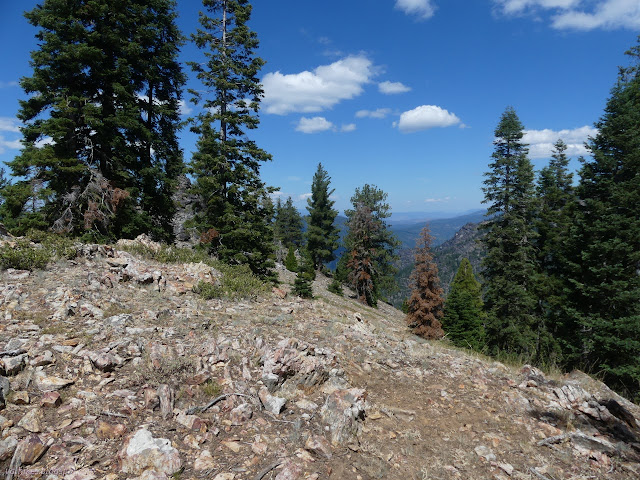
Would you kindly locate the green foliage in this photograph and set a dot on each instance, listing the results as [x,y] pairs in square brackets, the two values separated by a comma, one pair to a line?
[238,281]
[604,256]
[24,256]
[288,224]
[322,234]
[303,284]
[463,310]
[105,89]
[35,251]
[226,165]
[510,265]
[370,246]
[291,262]
[335,286]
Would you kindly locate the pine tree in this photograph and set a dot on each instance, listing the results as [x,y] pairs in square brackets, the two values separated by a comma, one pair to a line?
[226,164]
[383,244]
[605,284]
[290,262]
[464,316]
[425,304]
[104,91]
[556,202]
[364,231]
[510,264]
[322,234]
[303,284]
[288,224]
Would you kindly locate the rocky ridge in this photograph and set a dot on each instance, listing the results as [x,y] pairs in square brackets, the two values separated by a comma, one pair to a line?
[110,367]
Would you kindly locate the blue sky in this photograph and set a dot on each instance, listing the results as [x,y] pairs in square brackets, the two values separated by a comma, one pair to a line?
[402,94]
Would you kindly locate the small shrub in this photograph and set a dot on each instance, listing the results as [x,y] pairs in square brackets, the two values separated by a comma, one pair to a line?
[211,389]
[207,290]
[24,256]
[302,286]
[335,287]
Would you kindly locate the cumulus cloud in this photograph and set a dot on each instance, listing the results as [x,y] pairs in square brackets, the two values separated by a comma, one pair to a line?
[304,196]
[318,90]
[314,125]
[9,124]
[579,14]
[349,127]
[421,8]
[378,113]
[541,141]
[9,144]
[391,88]
[184,107]
[425,117]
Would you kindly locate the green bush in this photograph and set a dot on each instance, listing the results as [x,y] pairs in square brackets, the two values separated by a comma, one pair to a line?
[335,287]
[207,290]
[24,256]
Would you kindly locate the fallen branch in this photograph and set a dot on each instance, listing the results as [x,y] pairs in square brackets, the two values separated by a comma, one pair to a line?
[206,407]
[263,472]
[12,353]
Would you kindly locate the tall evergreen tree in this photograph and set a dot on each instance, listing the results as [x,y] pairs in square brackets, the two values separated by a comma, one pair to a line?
[464,316]
[606,239]
[425,304]
[556,202]
[322,233]
[364,231]
[510,263]
[288,224]
[383,243]
[226,164]
[104,92]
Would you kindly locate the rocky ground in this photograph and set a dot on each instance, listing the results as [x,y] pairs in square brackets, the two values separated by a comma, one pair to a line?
[110,367]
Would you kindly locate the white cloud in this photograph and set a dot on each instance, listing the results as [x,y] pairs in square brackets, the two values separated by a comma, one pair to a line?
[437,200]
[378,113]
[391,88]
[9,124]
[318,90]
[349,127]
[541,141]
[314,125]
[424,117]
[8,84]
[184,107]
[9,144]
[422,8]
[580,14]
[304,196]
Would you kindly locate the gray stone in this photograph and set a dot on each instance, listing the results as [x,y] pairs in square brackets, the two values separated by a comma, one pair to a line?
[344,411]
[271,404]
[32,421]
[7,447]
[141,451]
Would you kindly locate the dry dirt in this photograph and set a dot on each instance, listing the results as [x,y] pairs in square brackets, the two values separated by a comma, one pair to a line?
[141,349]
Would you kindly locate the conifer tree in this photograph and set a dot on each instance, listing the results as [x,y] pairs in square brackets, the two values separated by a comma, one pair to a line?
[556,202]
[226,164]
[288,224]
[291,262]
[383,243]
[425,305]
[100,146]
[464,316]
[322,234]
[510,264]
[605,284]
[303,284]
[364,231]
